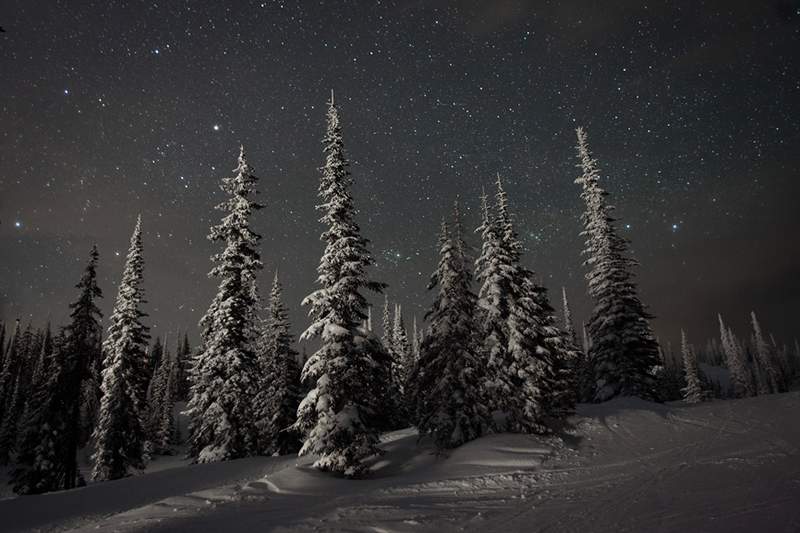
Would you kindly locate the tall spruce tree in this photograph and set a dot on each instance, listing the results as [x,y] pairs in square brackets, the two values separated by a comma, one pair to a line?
[388,327]
[43,464]
[624,351]
[450,374]
[402,348]
[50,432]
[569,327]
[735,360]
[766,358]
[120,433]
[160,424]
[350,373]
[222,426]
[692,392]
[9,392]
[530,364]
[183,358]
[280,392]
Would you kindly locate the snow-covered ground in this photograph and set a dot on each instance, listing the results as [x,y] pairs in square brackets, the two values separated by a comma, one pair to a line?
[626,465]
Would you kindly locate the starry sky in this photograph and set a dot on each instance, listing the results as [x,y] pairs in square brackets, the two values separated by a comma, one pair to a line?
[111,108]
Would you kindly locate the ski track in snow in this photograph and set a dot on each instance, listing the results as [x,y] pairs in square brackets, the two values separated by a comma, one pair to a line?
[626,465]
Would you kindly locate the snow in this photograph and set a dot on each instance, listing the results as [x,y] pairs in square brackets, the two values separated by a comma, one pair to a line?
[626,465]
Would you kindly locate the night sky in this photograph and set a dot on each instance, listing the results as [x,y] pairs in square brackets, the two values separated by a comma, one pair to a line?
[109,109]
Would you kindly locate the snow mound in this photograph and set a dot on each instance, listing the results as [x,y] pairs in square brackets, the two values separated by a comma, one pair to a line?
[626,465]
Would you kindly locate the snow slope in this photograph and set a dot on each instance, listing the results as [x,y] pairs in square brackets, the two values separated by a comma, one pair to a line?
[626,465]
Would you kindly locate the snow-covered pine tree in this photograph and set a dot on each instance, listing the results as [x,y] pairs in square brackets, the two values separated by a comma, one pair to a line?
[624,351]
[280,390]
[9,392]
[530,363]
[414,340]
[160,424]
[120,434]
[183,357]
[222,426]
[568,327]
[495,271]
[402,348]
[693,392]
[388,327]
[43,463]
[50,434]
[736,363]
[350,373]
[765,357]
[449,376]
[582,370]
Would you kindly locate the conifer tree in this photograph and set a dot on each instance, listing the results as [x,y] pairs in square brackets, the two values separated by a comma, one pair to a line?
[160,424]
[9,392]
[183,355]
[765,358]
[156,353]
[530,366]
[50,432]
[568,327]
[624,351]
[401,348]
[222,426]
[737,365]
[414,340]
[120,434]
[388,327]
[43,463]
[450,374]
[280,392]
[693,392]
[350,373]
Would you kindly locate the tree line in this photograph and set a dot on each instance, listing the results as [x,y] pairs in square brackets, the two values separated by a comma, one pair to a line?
[490,356]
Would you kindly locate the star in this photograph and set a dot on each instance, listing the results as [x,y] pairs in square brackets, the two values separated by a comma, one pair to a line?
[17,224]
[216,127]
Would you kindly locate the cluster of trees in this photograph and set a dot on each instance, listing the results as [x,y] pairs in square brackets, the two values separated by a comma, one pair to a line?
[60,393]
[491,360]
[755,366]
[491,356]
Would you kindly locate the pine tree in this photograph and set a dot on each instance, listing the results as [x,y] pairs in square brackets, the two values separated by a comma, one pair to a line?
[222,426]
[530,366]
[120,433]
[9,392]
[339,416]
[765,358]
[401,349]
[160,424]
[737,365]
[449,376]
[280,392]
[693,392]
[50,432]
[43,463]
[568,327]
[414,340]
[388,327]
[624,351]
[183,355]
[156,353]
[582,370]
